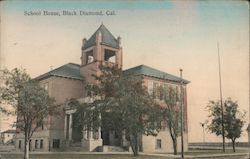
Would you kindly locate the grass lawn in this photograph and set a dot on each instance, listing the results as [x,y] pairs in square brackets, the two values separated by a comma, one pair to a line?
[197,152]
[77,156]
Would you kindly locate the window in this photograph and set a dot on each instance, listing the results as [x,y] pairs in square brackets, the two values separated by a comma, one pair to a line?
[177,93]
[95,134]
[20,144]
[30,145]
[67,126]
[56,143]
[112,59]
[109,56]
[46,86]
[165,92]
[155,85]
[116,135]
[150,87]
[158,144]
[40,124]
[157,90]
[163,125]
[41,144]
[158,124]
[36,144]
[161,92]
[90,59]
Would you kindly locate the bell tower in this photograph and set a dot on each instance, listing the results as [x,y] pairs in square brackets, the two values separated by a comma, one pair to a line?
[101,48]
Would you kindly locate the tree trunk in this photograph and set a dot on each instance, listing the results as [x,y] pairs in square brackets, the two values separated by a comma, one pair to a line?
[174,141]
[175,146]
[26,149]
[233,143]
[134,144]
[174,135]
[26,146]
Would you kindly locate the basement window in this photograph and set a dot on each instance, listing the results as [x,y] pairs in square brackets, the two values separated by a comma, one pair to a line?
[158,144]
[41,144]
[56,143]
[20,144]
[36,144]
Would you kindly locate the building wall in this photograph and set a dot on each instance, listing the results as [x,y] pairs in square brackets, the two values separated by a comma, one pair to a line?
[149,144]
[249,132]
[65,88]
[176,85]
[88,70]
[61,89]
[40,136]
[5,137]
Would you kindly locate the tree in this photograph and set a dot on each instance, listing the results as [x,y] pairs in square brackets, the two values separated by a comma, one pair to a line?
[171,112]
[28,101]
[233,119]
[124,105]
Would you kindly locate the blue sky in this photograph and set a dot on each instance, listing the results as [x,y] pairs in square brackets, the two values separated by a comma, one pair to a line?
[99,4]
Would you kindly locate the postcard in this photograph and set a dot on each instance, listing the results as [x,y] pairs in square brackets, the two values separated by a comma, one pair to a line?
[204,44]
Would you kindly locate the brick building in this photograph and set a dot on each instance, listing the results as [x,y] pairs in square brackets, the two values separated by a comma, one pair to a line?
[66,82]
[7,136]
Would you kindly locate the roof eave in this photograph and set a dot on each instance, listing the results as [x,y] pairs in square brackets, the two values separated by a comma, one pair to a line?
[177,81]
[55,75]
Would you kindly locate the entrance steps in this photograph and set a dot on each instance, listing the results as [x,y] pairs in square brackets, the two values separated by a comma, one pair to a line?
[74,147]
[78,147]
[107,148]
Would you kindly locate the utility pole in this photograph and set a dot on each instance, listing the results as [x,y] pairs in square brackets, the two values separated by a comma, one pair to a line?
[249,99]
[203,128]
[181,103]
[222,111]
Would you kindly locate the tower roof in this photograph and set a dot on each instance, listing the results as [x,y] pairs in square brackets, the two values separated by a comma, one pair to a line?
[107,38]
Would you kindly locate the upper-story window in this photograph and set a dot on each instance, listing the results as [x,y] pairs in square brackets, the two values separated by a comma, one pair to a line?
[89,57]
[109,56]
[156,93]
[46,86]
[160,90]
[150,87]
[112,59]
[153,89]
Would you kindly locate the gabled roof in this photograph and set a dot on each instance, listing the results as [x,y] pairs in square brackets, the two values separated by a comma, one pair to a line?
[149,71]
[107,38]
[69,70]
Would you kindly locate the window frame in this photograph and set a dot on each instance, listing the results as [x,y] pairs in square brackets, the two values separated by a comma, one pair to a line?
[158,144]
